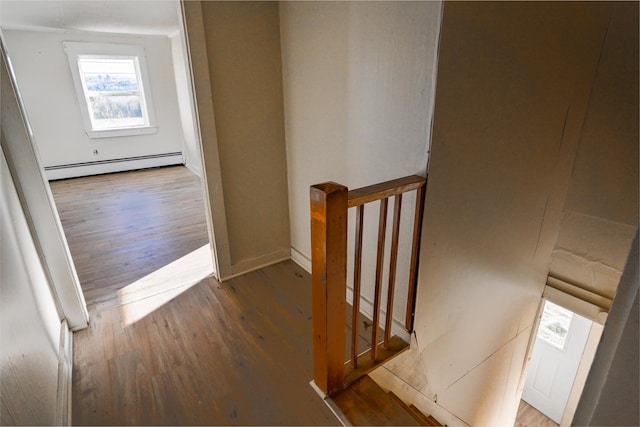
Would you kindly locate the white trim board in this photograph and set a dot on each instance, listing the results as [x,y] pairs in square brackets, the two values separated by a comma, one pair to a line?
[301,259]
[109,166]
[37,201]
[65,372]
[246,266]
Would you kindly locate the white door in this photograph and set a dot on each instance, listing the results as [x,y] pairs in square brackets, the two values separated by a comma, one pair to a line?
[559,345]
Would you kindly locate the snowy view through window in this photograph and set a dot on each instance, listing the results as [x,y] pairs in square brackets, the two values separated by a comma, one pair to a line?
[554,325]
[113,92]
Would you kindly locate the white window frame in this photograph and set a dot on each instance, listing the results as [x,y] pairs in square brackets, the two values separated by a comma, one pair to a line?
[76,50]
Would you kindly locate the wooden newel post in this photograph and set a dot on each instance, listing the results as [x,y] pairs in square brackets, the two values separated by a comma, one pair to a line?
[328,281]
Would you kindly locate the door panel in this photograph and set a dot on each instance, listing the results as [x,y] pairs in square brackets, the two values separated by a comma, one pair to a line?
[557,352]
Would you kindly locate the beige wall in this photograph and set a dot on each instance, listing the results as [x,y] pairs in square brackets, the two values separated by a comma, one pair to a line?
[611,396]
[514,82]
[601,213]
[236,47]
[514,87]
[359,82]
[314,54]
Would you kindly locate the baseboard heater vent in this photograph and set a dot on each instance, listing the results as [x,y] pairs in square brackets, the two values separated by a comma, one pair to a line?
[113,165]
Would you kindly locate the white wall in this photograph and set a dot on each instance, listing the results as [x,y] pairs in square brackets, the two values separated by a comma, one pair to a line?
[359,82]
[191,148]
[44,79]
[29,322]
[36,195]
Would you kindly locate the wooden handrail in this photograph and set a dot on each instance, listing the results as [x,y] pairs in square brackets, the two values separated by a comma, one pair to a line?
[384,190]
[329,205]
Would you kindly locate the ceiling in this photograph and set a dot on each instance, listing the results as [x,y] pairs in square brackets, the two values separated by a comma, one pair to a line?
[153,17]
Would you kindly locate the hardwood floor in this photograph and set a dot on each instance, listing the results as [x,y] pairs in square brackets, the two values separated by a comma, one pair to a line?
[237,353]
[528,416]
[122,226]
[165,346]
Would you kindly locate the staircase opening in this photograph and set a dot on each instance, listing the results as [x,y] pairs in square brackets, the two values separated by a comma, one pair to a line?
[330,203]
[353,318]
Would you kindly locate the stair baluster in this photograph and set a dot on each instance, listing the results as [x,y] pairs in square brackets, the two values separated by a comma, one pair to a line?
[329,205]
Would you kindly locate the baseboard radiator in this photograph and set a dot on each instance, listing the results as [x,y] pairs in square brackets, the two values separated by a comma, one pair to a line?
[73,170]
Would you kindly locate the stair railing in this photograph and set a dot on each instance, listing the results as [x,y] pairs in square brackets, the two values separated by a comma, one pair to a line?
[329,211]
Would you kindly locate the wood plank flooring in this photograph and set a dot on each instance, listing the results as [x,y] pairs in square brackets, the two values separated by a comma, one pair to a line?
[237,353]
[172,352]
[122,226]
[168,344]
[528,416]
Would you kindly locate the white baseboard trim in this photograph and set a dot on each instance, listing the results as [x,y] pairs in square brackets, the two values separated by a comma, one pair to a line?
[194,168]
[301,259]
[65,373]
[249,265]
[108,166]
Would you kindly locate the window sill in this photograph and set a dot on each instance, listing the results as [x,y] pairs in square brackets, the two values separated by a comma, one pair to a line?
[114,133]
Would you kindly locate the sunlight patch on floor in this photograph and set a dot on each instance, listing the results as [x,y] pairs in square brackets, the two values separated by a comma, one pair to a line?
[151,292]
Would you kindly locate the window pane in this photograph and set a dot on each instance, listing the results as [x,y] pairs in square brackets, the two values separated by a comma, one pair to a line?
[554,324]
[116,111]
[116,107]
[109,75]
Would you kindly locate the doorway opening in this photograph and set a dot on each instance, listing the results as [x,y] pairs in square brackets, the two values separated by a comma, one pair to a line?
[563,350]
[125,217]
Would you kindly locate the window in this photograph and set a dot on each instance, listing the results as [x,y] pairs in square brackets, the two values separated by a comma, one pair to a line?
[113,92]
[554,324]
[112,88]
